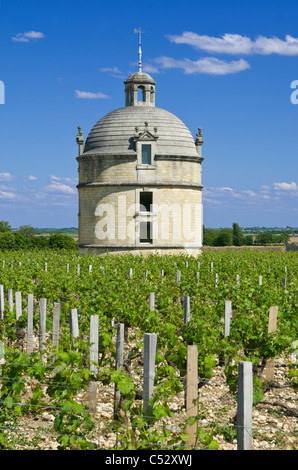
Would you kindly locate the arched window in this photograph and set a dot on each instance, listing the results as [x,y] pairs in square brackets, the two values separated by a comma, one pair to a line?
[141,93]
[129,95]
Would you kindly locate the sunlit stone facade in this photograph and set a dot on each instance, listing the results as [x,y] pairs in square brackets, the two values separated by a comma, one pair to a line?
[140,185]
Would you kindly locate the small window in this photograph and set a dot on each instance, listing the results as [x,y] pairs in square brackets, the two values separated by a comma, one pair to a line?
[146,154]
[145,201]
[141,94]
[146,232]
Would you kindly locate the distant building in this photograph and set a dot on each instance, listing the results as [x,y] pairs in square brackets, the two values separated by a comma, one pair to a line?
[291,246]
[139,184]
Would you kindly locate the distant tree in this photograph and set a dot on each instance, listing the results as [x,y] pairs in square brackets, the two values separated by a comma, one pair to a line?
[224,238]
[58,240]
[265,238]
[209,236]
[248,240]
[26,230]
[4,226]
[7,241]
[22,241]
[283,238]
[40,241]
[237,235]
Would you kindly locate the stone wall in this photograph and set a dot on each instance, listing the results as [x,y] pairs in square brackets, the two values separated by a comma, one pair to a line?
[111,216]
[109,195]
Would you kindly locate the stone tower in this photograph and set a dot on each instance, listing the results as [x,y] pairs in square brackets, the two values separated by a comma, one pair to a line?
[140,185]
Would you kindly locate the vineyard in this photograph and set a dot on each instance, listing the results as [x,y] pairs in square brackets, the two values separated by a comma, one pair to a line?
[64,385]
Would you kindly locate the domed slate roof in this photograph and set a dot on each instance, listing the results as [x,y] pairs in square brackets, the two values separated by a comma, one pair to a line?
[113,134]
[140,77]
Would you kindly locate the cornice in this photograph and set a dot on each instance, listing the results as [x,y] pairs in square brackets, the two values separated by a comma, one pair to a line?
[169,184]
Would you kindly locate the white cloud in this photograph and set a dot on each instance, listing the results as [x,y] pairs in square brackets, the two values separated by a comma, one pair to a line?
[89,95]
[149,68]
[286,186]
[237,44]
[224,188]
[7,195]
[61,185]
[32,178]
[113,71]
[28,36]
[249,192]
[6,177]
[273,197]
[61,188]
[63,179]
[206,65]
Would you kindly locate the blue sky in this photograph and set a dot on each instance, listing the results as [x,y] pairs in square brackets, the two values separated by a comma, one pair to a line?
[225,66]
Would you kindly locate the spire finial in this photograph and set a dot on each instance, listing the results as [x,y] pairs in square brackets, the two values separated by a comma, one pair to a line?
[139,30]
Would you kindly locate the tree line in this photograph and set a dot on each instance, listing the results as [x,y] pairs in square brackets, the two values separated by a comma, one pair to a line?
[235,237]
[26,238]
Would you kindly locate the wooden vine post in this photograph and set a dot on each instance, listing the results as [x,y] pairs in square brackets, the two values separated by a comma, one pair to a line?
[191,392]
[228,311]
[42,323]
[18,299]
[73,323]
[244,406]
[30,311]
[1,301]
[119,365]
[56,324]
[272,325]
[2,353]
[150,343]
[187,315]
[93,361]
[10,300]
[152,301]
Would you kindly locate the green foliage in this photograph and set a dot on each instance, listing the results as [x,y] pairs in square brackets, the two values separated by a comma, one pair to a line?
[58,241]
[248,240]
[224,238]
[26,230]
[7,240]
[265,238]
[57,379]
[237,235]
[209,236]
[24,239]
[4,226]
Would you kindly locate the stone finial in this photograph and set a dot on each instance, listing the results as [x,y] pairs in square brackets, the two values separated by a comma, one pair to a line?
[199,140]
[80,140]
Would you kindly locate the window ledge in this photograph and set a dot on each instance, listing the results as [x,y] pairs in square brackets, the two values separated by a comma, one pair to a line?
[145,213]
[146,167]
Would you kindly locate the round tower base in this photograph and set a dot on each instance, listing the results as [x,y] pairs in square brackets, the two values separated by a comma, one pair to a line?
[140,250]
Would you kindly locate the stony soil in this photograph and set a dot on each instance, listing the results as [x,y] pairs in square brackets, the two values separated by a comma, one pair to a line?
[274,420]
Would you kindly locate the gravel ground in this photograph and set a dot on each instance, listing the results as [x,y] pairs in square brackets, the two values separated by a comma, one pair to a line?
[275,423]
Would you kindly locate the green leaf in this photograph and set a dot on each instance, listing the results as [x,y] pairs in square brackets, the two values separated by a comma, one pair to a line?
[9,402]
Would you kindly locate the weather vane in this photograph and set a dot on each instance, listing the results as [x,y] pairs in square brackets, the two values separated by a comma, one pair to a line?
[138,30]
